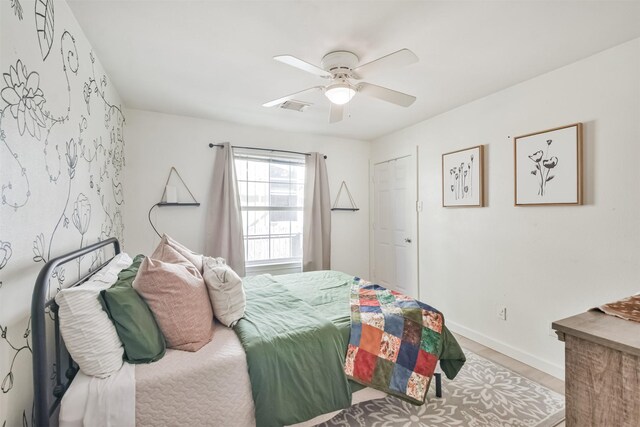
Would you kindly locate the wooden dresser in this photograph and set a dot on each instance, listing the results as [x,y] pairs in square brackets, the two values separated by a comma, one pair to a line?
[602,375]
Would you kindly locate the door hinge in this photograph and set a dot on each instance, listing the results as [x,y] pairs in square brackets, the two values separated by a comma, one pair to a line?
[418,206]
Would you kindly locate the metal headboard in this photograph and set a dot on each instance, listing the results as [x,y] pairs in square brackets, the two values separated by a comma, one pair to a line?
[43,409]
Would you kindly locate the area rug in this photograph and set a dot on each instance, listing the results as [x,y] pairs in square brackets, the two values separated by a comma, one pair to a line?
[483,394]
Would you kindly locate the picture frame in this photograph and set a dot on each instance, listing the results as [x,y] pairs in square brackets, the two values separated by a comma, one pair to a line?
[463,178]
[548,167]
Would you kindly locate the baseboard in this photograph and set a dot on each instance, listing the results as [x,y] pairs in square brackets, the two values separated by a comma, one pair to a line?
[522,356]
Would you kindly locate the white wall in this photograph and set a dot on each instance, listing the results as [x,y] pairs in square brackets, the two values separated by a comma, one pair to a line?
[158,141]
[543,263]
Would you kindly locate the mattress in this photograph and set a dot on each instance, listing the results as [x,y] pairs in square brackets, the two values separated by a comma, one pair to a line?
[210,387]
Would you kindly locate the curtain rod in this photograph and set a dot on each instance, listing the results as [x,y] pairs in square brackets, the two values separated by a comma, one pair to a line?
[211,145]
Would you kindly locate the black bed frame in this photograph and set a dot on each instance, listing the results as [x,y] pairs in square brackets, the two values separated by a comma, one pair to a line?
[43,409]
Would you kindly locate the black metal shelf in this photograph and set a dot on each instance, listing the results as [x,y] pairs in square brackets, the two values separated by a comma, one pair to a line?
[178,204]
[353,207]
[162,204]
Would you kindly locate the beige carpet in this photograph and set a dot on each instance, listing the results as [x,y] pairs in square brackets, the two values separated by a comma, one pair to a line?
[484,394]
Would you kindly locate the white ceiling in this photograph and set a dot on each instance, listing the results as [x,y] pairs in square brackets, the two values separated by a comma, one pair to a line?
[213,59]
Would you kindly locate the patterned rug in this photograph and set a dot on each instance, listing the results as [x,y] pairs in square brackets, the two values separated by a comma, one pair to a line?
[483,394]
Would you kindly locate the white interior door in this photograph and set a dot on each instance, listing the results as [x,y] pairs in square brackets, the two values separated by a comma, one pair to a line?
[395,249]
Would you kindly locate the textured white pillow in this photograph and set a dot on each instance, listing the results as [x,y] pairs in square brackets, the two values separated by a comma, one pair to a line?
[225,290]
[88,333]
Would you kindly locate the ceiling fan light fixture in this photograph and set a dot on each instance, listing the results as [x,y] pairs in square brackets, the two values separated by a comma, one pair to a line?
[340,93]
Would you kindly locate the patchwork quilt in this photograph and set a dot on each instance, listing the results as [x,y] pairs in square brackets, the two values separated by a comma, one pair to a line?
[395,341]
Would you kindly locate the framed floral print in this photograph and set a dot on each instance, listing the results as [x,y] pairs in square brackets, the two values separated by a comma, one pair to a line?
[463,178]
[548,167]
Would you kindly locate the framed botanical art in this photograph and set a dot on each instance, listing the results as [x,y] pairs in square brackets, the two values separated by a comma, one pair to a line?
[463,178]
[548,167]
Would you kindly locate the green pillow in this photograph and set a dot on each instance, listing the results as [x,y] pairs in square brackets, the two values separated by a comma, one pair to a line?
[141,337]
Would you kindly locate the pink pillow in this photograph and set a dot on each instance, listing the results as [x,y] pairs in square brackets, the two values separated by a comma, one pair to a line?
[192,257]
[176,293]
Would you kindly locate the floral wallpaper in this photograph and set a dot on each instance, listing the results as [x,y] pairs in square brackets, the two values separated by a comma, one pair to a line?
[61,166]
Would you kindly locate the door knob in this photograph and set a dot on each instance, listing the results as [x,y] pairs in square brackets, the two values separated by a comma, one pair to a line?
[407,240]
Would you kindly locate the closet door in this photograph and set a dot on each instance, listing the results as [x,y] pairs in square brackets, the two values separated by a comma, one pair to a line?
[395,250]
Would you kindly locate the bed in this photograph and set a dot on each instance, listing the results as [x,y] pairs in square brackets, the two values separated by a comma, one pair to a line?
[219,373]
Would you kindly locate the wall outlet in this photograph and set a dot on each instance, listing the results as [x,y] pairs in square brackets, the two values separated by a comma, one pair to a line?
[502,312]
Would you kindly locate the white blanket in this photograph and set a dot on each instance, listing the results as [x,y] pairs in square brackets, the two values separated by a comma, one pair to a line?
[210,387]
[101,402]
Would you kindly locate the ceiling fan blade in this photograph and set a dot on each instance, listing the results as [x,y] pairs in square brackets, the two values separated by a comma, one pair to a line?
[335,115]
[385,94]
[293,95]
[393,60]
[304,66]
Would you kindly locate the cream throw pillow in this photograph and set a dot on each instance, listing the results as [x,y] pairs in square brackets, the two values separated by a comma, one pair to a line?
[225,290]
[176,294]
[192,257]
[88,333]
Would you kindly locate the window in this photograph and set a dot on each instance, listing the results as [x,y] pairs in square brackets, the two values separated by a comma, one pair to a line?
[271,191]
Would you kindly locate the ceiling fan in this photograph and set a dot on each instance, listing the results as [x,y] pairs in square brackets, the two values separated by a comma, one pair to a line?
[341,67]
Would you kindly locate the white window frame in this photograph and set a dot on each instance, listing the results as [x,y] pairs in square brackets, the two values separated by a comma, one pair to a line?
[273,266]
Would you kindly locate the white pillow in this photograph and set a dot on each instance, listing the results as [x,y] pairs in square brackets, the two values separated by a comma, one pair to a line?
[225,290]
[88,333]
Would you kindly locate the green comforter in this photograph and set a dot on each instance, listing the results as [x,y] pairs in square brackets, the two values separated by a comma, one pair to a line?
[294,353]
[295,333]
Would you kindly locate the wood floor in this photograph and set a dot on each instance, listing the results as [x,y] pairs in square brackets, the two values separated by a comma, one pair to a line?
[526,371]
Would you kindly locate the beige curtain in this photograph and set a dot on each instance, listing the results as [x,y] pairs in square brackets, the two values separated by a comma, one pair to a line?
[223,230]
[316,252]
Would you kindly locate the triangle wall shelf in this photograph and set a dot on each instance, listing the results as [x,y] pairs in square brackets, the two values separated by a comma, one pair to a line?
[163,199]
[352,203]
